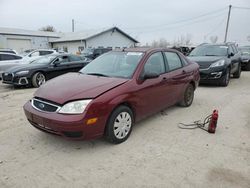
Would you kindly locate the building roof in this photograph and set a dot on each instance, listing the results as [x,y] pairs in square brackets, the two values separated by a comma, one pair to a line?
[14,31]
[84,35]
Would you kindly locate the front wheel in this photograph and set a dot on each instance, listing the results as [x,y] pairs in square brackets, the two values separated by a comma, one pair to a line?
[188,96]
[119,125]
[225,79]
[238,72]
[38,79]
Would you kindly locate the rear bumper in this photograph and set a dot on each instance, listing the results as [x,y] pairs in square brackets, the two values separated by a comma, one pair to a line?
[68,126]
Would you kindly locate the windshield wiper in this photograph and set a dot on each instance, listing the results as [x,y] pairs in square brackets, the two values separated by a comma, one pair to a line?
[97,74]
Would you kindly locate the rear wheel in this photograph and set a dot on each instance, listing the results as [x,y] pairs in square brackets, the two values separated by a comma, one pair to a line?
[225,79]
[119,125]
[38,79]
[188,96]
[238,72]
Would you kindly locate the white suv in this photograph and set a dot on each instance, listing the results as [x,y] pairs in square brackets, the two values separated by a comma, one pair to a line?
[35,54]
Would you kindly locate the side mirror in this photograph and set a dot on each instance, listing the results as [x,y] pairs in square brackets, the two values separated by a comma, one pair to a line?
[56,63]
[231,54]
[151,75]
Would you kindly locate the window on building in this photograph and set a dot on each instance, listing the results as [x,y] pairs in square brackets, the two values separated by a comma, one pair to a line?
[65,48]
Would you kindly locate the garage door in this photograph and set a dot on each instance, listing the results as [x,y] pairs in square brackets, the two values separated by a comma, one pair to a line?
[19,44]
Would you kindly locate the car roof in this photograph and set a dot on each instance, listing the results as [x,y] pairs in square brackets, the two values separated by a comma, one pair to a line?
[9,54]
[144,49]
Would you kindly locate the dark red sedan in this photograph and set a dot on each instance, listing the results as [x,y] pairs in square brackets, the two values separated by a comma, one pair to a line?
[113,92]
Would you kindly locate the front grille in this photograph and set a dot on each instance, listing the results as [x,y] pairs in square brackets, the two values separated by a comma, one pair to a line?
[204,66]
[44,106]
[7,76]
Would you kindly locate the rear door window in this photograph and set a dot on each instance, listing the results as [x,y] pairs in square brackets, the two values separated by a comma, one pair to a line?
[173,60]
[6,57]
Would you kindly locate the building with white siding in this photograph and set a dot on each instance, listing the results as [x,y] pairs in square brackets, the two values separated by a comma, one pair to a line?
[109,38]
[20,39]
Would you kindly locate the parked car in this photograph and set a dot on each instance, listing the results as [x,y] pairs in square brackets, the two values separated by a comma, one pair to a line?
[245,57]
[7,50]
[93,53]
[112,92]
[8,60]
[217,62]
[31,55]
[183,49]
[43,69]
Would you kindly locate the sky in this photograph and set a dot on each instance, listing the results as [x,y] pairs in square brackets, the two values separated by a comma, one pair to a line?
[144,20]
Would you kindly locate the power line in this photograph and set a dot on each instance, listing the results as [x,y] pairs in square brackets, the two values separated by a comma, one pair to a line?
[247,8]
[180,21]
[182,25]
[216,27]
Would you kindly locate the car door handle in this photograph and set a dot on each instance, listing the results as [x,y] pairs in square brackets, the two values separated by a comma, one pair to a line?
[164,79]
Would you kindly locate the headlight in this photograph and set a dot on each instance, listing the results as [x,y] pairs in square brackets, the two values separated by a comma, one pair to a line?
[218,63]
[76,107]
[22,73]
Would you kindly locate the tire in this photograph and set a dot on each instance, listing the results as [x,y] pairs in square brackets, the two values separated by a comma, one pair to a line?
[225,79]
[188,96]
[238,72]
[119,125]
[247,66]
[38,79]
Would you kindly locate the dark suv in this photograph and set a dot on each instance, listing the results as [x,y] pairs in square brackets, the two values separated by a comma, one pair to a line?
[93,53]
[217,62]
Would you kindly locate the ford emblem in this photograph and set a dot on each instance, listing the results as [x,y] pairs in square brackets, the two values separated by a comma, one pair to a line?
[41,105]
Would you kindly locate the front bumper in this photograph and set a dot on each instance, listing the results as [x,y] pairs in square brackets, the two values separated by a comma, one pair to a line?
[68,126]
[10,78]
[245,62]
[212,75]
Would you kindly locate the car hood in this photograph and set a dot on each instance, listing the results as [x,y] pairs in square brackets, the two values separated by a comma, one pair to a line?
[205,61]
[75,86]
[25,67]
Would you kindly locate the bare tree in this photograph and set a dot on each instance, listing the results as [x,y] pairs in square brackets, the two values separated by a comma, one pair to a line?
[248,38]
[162,42]
[154,44]
[48,28]
[188,39]
[213,39]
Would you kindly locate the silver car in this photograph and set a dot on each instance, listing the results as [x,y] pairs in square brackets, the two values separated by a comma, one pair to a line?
[8,60]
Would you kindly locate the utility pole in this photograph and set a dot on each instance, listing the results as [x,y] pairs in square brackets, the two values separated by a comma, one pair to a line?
[73,25]
[228,18]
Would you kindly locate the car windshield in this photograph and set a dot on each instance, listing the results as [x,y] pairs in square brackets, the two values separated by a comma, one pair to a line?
[114,64]
[44,60]
[210,50]
[244,50]
[26,52]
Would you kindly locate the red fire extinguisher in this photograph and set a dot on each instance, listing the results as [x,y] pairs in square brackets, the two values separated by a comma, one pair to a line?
[210,120]
[213,122]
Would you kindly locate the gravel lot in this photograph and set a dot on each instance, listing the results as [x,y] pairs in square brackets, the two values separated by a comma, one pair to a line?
[157,154]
